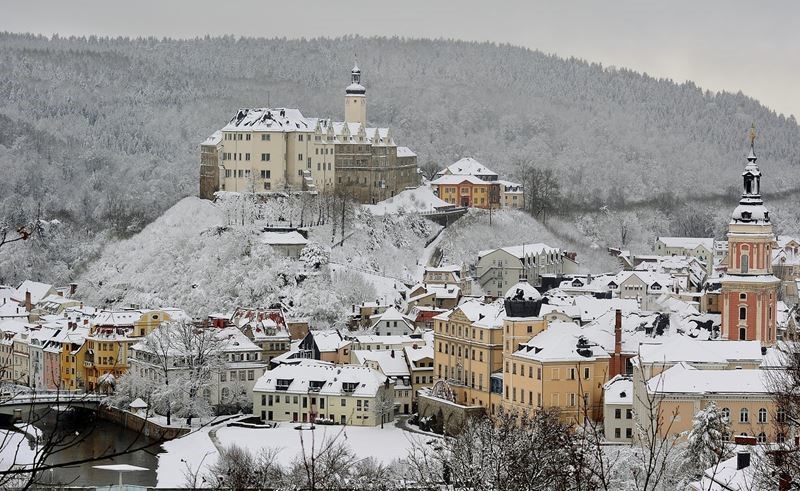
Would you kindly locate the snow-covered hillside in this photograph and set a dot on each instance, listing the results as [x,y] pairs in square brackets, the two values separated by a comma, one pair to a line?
[203,257]
[472,233]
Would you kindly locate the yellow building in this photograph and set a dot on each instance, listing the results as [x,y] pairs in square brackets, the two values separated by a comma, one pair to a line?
[110,337]
[73,354]
[557,369]
[469,350]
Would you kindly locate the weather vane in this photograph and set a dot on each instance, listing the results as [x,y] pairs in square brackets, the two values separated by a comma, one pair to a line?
[752,134]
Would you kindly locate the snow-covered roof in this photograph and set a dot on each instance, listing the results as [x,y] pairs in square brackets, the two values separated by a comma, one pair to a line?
[561,341]
[325,378]
[450,268]
[391,362]
[393,340]
[683,349]
[523,291]
[481,314]
[214,139]
[420,352]
[687,242]
[405,152]
[328,341]
[269,119]
[37,290]
[467,167]
[138,403]
[283,238]
[420,199]
[618,390]
[527,249]
[685,379]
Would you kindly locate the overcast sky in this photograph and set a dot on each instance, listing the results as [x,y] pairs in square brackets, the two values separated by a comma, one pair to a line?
[722,45]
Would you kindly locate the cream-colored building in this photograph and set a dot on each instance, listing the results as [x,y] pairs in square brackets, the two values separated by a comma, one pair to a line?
[743,396]
[499,269]
[699,247]
[308,391]
[277,149]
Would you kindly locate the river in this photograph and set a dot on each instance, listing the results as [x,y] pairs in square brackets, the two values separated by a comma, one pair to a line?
[85,436]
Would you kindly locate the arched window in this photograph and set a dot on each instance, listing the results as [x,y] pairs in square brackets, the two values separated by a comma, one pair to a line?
[744,416]
[762,437]
[781,415]
[726,414]
[742,313]
[762,415]
[780,438]
[743,296]
[225,393]
[742,334]
[745,263]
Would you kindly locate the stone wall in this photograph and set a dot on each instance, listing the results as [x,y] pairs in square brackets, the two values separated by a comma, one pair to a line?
[453,416]
[148,428]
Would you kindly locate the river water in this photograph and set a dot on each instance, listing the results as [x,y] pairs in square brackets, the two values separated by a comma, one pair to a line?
[85,436]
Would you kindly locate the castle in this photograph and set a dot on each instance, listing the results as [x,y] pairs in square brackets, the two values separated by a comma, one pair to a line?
[278,149]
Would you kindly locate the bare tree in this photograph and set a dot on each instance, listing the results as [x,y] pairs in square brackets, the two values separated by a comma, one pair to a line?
[542,189]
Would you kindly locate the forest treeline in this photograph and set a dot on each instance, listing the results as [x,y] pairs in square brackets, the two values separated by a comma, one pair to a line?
[102,134]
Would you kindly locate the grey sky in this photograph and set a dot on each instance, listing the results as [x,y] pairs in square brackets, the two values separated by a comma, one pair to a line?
[721,45]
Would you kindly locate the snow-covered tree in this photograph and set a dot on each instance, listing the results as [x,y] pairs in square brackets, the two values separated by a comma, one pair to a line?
[314,256]
[707,440]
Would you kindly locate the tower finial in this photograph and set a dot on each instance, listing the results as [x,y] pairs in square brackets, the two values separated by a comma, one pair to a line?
[752,156]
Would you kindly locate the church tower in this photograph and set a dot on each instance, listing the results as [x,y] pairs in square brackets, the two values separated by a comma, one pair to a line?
[749,289]
[355,99]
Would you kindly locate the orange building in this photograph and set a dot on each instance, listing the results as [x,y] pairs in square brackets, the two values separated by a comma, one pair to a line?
[749,292]
[468,191]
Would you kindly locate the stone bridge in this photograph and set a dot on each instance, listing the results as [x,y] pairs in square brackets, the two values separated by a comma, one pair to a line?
[14,406]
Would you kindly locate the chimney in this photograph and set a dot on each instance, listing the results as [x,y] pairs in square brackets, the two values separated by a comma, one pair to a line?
[28,303]
[60,293]
[73,287]
[85,322]
[392,353]
[742,459]
[617,360]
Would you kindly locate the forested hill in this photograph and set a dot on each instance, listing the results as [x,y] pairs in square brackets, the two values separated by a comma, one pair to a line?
[104,133]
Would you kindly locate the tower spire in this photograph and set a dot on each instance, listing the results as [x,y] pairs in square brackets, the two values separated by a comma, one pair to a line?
[752,156]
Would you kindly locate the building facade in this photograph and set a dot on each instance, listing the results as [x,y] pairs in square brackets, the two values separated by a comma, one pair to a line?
[278,149]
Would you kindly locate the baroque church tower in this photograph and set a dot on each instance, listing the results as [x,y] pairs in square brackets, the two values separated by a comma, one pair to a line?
[355,99]
[749,289]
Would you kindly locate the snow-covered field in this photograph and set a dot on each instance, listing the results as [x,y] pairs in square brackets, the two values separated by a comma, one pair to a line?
[197,451]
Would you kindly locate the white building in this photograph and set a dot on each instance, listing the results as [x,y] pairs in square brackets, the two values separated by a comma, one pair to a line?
[309,390]
[392,323]
[618,422]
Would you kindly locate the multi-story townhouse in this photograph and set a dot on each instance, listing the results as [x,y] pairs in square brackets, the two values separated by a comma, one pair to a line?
[420,365]
[394,365]
[499,269]
[308,391]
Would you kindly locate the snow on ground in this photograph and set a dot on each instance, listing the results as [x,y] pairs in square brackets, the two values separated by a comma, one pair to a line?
[15,449]
[183,457]
[196,451]
[385,445]
[420,199]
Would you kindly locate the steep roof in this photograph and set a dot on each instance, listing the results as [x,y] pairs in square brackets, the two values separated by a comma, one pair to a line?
[269,119]
[327,379]
[618,390]
[391,362]
[528,250]
[283,238]
[467,167]
[37,290]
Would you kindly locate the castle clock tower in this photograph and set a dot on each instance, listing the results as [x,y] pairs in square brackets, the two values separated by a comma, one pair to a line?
[749,289]
[355,99]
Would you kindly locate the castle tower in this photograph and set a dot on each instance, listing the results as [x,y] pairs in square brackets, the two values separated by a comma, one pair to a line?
[355,99]
[749,289]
